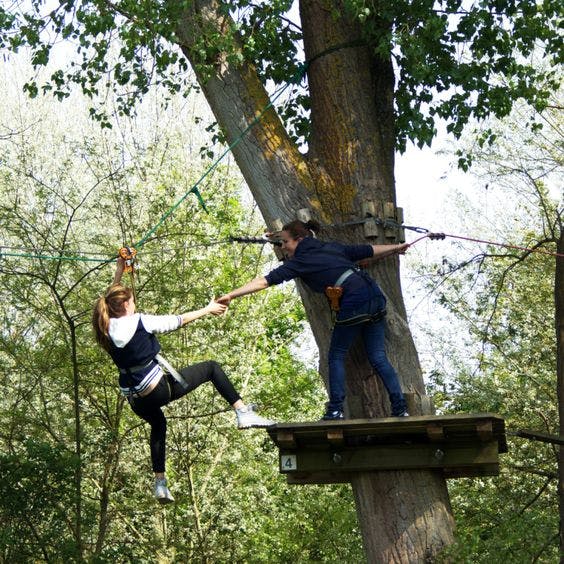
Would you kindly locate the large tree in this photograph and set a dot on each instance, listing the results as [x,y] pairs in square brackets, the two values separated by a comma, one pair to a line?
[378,74]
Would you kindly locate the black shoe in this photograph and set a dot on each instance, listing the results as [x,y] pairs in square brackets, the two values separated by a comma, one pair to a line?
[333,415]
[402,414]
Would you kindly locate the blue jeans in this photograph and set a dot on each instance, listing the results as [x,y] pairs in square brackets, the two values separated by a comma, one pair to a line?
[372,333]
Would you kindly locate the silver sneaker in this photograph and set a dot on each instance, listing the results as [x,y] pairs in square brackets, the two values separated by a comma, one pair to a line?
[162,493]
[247,417]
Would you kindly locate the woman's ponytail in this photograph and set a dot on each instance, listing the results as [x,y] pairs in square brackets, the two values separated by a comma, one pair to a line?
[313,226]
[298,229]
[111,304]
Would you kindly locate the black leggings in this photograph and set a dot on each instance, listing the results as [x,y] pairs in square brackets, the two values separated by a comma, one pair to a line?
[167,390]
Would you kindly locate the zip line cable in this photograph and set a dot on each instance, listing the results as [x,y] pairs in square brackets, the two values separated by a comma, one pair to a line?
[32,255]
[427,234]
[493,243]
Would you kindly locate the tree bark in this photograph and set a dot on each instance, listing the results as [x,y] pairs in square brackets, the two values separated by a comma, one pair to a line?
[404,516]
[559,327]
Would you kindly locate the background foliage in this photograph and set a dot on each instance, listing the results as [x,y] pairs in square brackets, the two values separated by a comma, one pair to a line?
[456,60]
[502,357]
[75,461]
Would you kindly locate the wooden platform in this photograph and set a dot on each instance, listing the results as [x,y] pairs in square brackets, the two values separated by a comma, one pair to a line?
[332,451]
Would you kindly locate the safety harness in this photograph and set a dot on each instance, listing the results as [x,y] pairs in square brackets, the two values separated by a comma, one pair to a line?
[128,255]
[334,294]
[172,371]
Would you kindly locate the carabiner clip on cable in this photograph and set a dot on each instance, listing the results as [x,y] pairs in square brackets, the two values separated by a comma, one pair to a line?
[128,255]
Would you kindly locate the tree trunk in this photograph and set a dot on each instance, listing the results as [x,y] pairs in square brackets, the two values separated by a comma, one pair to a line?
[404,516]
[559,326]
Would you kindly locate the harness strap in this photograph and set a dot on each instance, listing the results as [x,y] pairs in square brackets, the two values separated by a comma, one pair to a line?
[138,368]
[344,276]
[364,318]
[335,292]
[173,372]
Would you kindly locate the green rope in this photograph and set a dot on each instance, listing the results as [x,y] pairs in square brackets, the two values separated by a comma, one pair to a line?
[194,190]
[49,257]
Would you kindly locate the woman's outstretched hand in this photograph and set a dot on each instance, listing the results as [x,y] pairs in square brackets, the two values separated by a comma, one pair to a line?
[216,308]
[224,300]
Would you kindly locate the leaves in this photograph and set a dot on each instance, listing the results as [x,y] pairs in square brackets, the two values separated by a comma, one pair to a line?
[503,308]
[102,188]
[453,61]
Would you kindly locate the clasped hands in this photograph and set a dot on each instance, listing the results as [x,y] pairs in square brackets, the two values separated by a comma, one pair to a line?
[218,306]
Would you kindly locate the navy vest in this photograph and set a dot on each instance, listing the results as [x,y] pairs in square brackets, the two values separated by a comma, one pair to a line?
[139,351]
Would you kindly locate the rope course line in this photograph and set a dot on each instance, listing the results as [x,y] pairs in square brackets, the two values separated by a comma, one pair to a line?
[427,234]
[29,253]
[390,223]
[194,190]
[54,257]
[493,243]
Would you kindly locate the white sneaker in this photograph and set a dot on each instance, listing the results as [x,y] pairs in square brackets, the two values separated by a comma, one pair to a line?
[247,417]
[162,493]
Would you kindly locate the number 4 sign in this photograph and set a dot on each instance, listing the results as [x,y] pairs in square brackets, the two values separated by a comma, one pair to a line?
[288,462]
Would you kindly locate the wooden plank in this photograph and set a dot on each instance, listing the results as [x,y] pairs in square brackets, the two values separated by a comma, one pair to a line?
[435,432]
[394,457]
[335,437]
[455,417]
[285,439]
[392,425]
[307,478]
[304,478]
[484,430]
[471,471]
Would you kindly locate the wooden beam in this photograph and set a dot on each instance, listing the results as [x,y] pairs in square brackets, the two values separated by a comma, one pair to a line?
[307,478]
[542,437]
[286,439]
[302,478]
[435,432]
[394,457]
[335,437]
[484,430]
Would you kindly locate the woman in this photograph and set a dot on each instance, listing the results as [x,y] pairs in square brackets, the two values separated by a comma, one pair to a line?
[130,340]
[361,307]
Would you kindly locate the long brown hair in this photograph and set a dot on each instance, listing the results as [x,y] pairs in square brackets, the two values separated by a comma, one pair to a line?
[111,304]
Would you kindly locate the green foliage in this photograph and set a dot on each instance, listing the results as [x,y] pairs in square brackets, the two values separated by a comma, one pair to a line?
[458,62]
[76,469]
[454,60]
[36,491]
[503,301]
[515,515]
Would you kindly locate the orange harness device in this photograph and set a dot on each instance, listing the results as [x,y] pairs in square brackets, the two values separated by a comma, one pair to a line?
[128,255]
[334,294]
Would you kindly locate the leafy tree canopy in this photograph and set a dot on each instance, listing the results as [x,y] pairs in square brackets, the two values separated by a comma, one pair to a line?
[454,59]
[501,303]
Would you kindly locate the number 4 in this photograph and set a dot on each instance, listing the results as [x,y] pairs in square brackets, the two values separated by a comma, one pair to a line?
[288,462]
